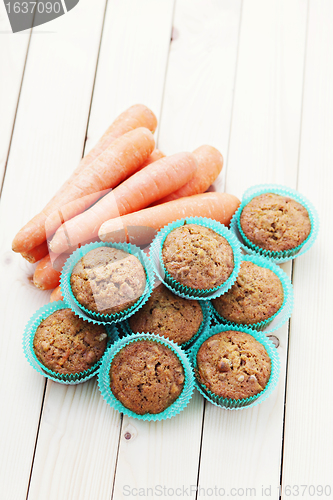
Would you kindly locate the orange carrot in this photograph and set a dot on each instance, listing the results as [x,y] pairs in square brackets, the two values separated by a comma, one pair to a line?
[123,157]
[210,163]
[45,276]
[140,227]
[56,294]
[36,253]
[134,117]
[140,190]
[156,155]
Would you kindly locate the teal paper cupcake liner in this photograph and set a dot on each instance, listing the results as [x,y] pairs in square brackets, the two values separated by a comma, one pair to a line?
[176,407]
[282,315]
[283,256]
[91,316]
[206,311]
[182,290]
[238,404]
[27,343]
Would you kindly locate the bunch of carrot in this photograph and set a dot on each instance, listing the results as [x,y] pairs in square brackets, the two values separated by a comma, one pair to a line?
[122,190]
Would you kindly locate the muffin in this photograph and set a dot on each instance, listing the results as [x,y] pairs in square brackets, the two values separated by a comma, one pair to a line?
[66,344]
[275,222]
[146,377]
[108,280]
[168,315]
[256,296]
[197,257]
[233,364]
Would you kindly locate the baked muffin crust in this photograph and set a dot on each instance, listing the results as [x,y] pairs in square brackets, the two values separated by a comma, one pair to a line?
[108,280]
[256,295]
[146,377]
[233,365]
[275,222]
[168,315]
[67,344]
[197,257]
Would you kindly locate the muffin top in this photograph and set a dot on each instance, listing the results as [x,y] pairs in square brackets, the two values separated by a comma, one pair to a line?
[66,344]
[233,365]
[146,377]
[197,257]
[256,295]
[168,315]
[275,222]
[107,280]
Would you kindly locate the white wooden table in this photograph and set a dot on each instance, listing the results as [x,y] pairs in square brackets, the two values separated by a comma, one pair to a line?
[254,78]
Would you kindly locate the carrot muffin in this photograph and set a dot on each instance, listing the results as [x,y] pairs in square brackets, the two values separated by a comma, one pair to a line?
[108,280]
[146,377]
[256,296]
[197,257]
[233,365]
[275,222]
[168,315]
[65,343]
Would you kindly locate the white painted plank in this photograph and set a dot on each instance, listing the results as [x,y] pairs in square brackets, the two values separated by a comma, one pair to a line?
[13,51]
[205,36]
[130,72]
[47,143]
[308,458]
[243,449]
[265,129]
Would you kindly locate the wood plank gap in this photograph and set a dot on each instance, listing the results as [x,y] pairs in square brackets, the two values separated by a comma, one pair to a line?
[292,265]
[115,467]
[233,94]
[37,434]
[94,82]
[199,459]
[14,121]
[166,73]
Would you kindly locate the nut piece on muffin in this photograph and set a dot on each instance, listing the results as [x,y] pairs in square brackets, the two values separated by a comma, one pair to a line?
[275,222]
[256,296]
[168,315]
[146,377]
[197,257]
[66,344]
[233,365]
[108,280]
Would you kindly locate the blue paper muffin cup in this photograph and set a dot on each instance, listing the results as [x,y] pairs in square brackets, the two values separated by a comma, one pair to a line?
[206,311]
[99,318]
[283,256]
[238,404]
[27,343]
[178,288]
[176,407]
[282,315]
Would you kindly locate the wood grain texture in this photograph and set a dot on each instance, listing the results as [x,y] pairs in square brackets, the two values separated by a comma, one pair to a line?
[13,51]
[166,454]
[264,143]
[308,444]
[243,449]
[200,79]
[79,463]
[47,143]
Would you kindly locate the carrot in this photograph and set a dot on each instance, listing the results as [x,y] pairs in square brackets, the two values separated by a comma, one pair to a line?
[36,253]
[210,163]
[45,276]
[156,155]
[56,294]
[134,117]
[140,227]
[149,184]
[123,157]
